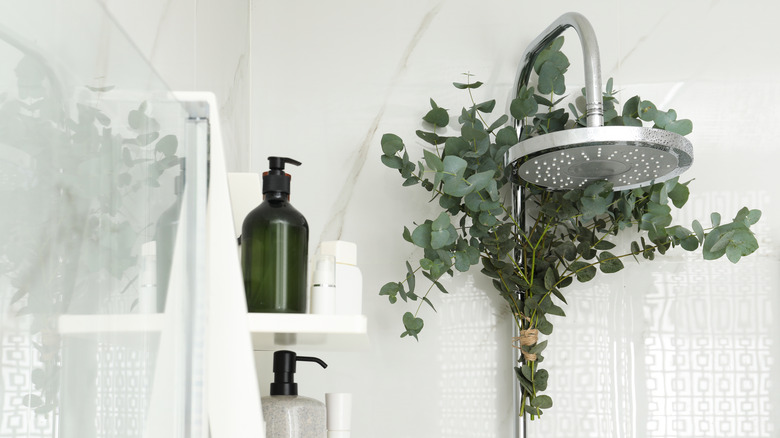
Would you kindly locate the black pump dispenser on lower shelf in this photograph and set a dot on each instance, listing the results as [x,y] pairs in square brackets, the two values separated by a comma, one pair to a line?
[287,414]
[284,371]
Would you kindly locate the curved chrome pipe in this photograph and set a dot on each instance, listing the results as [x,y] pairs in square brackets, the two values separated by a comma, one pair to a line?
[590,56]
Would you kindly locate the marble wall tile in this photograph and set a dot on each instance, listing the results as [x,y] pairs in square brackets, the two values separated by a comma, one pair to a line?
[198,45]
[222,67]
[164,32]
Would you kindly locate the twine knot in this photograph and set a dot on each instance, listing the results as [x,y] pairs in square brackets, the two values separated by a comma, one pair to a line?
[527,338]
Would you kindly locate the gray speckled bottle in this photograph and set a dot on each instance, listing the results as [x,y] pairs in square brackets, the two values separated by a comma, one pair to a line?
[286,414]
[293,416]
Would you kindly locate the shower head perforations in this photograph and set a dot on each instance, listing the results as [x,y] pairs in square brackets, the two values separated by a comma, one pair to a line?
[628,157]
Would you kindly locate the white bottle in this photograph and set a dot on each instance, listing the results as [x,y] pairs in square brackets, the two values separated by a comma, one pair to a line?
[323,288]
[147,278]
[349,280]
[339,413]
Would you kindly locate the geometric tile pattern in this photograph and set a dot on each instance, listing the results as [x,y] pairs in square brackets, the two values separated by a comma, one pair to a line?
[468,355]
[708,352]
[123,383]
[18,358]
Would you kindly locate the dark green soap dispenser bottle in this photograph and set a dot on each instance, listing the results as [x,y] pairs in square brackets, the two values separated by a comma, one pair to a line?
[275,246]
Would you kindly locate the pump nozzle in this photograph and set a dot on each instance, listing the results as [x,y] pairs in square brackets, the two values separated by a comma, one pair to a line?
[284,371]
[279,162]
[312,359]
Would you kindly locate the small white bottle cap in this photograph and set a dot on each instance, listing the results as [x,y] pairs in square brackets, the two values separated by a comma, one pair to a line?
[325,271]
[345,252]
[339,409]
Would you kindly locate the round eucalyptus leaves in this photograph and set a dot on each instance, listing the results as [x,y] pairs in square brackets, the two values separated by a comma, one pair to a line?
[568,234]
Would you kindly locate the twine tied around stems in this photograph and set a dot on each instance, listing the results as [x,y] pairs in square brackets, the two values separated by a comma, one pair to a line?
[527,338]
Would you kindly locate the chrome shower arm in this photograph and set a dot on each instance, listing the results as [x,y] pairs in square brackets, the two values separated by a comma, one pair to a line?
[590,55]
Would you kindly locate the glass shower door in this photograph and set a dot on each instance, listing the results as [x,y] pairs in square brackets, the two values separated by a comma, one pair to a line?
[101,250]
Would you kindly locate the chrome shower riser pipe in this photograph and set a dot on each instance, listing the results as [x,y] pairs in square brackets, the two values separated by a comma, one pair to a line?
[519,423]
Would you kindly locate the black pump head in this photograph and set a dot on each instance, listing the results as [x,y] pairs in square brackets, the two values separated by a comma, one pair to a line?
[276,183]
[284,371]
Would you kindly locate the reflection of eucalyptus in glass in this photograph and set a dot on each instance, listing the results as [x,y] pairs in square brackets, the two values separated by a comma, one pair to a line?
[274,249]
[76,187]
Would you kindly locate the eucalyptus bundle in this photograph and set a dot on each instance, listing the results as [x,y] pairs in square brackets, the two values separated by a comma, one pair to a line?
[568,234]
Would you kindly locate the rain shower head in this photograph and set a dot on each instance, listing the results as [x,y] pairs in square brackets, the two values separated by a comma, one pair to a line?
[626,156]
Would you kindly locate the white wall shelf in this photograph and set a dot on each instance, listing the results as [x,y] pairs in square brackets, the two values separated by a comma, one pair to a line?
[275,331]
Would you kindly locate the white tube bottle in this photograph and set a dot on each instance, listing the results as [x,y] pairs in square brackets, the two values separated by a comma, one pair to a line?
[349,280]
[323,288]
[338,406]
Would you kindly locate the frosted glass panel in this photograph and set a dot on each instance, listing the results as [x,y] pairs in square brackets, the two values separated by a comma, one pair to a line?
[100,263]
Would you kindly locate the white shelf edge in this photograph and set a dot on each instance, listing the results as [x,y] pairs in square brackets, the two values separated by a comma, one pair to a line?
[118,323]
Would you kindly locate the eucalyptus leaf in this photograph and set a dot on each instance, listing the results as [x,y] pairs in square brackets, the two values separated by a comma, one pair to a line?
[551,80]
[545,327]
[697,228]
[430,137]
[521,108]
[542,402]
[412,324]
[486,107]
[679,195]
[506,136]
[498,123]
[433,161]
[392,162]
[682,127]
[608,263]
[647,110]
[437,117]
[462,86]
[631,107]
[541,377]
[583,271]
[410,279]
[480,181]
[421,236]
[715,218]
[391,144]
